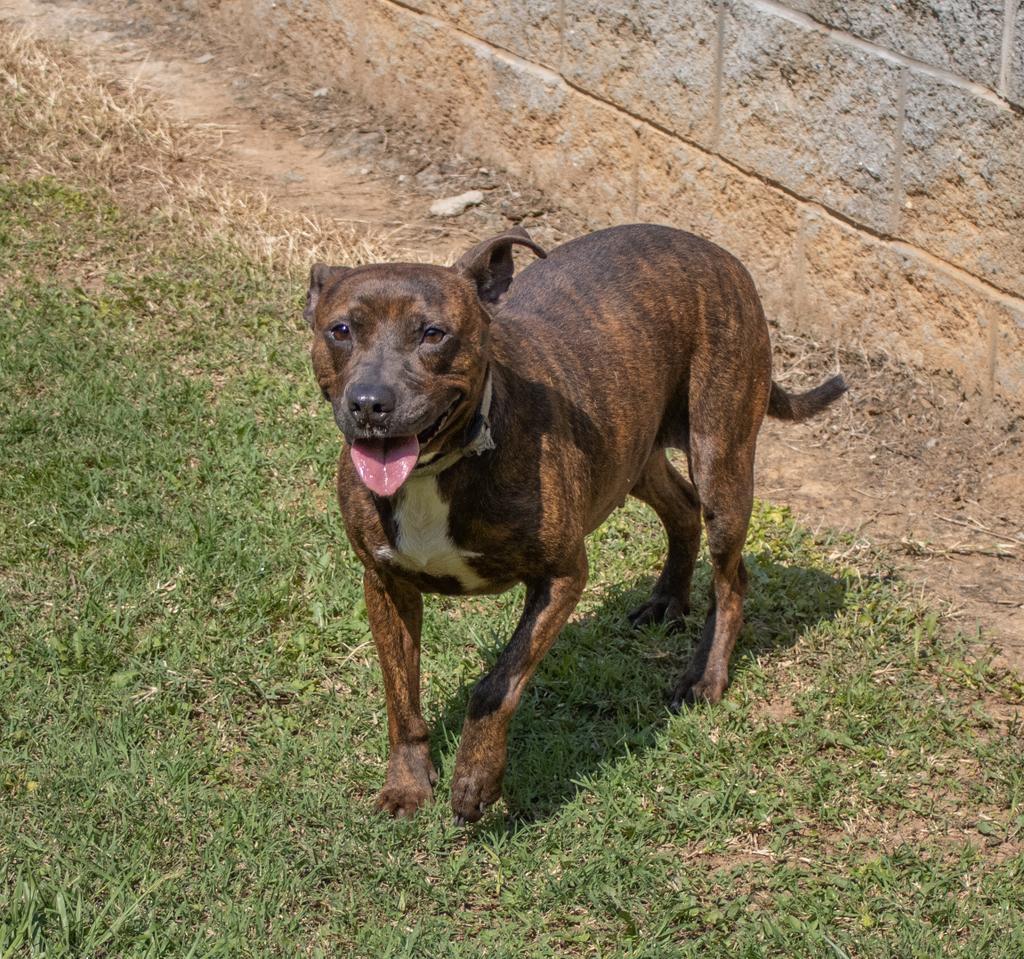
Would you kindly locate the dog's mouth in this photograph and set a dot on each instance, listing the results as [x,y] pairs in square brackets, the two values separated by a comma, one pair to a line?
[384,464]
[425,436]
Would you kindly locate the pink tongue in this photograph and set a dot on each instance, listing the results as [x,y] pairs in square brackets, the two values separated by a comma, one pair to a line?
[384,465]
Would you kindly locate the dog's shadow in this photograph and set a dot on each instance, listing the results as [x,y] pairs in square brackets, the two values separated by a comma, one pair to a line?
[602,691]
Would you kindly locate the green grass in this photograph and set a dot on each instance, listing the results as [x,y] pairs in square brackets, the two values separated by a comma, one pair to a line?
[192,725]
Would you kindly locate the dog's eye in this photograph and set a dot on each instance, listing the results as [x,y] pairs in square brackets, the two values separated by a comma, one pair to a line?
[433,334]
[339,332]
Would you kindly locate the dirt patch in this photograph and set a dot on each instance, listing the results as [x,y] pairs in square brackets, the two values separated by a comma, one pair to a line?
[777,711]
[905,462]
[309,150]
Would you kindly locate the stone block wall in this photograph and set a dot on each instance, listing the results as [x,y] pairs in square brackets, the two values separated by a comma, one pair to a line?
[864,158]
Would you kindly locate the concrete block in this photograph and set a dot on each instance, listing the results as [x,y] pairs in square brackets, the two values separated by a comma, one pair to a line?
[411,68]
[869,293]
[580,151]
[963,181]
[529,30]
[963,36]
[1016,85]
[653,58]
[681,186]
[818,117]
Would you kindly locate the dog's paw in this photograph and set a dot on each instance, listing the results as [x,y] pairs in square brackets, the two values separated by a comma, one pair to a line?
[409,784]
[708,689]
[403,801]
[658,610]
[473,791]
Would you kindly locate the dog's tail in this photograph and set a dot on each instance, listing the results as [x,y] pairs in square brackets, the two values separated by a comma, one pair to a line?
[801,406]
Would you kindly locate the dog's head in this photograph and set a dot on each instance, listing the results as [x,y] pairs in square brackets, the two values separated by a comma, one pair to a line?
[400,350]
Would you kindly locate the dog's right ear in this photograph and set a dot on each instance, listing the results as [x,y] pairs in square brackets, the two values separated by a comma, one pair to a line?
[319,276]
[489,264]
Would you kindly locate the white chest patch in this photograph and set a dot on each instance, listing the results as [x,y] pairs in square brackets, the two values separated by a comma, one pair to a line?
[424,545]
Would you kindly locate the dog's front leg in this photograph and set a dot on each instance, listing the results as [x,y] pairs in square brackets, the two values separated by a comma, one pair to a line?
[395,611]
[480,764]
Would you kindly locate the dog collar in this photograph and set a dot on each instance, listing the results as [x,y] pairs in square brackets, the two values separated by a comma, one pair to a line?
[480,439]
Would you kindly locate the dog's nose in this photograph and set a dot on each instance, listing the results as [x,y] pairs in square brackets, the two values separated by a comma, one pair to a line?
[371,403]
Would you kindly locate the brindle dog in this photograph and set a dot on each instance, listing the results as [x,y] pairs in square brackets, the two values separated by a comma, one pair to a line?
[492,425]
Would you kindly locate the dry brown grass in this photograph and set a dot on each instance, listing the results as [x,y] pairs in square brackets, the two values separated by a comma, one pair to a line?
[64,117]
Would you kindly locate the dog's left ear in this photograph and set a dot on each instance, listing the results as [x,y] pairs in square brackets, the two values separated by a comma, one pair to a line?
[319,276]
[489,264]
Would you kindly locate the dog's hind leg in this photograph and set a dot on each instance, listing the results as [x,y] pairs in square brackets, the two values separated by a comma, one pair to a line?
[723,473]
[675,501]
